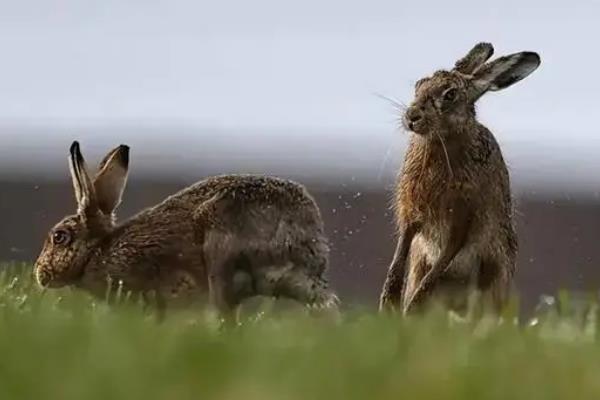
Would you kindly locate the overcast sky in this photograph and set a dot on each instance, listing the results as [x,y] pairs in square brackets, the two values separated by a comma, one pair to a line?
[290,78]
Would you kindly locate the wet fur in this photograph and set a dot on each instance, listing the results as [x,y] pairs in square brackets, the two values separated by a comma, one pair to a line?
[223,239]
[427,192]
[452,201]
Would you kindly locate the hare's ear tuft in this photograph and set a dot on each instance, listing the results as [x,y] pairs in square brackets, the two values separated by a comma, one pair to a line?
[82,184]
[111,179]
[505,71]
[475,58]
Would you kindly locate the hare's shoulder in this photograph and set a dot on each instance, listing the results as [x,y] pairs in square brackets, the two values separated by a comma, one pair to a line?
[486,156]
[484,148]
[493,171]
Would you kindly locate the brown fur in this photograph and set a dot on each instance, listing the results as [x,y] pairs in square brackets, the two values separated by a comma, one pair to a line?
[230,237]
[452,202]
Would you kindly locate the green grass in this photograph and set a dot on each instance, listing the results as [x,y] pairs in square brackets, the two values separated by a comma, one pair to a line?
[62,345]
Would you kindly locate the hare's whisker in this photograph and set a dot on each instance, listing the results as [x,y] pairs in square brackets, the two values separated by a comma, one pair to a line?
[446,154]
[397,104]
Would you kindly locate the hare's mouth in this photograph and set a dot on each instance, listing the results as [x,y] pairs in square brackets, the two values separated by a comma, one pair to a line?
[418,127]
[46,280]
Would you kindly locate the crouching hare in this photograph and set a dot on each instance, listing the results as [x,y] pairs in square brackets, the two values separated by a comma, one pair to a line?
[231,237]
[452,201]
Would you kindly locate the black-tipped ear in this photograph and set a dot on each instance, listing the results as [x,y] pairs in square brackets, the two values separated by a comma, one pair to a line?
[82,184]
[74,149]
[74,154]
[111,179]
[475,58]
[505,71]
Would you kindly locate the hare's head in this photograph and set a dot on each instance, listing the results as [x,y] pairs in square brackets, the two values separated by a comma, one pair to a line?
[72,241]
[445,100]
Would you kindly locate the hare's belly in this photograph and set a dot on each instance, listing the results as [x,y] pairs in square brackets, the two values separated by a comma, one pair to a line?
[464,263]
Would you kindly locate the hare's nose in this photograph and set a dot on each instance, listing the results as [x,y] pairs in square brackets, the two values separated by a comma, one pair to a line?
[414,115]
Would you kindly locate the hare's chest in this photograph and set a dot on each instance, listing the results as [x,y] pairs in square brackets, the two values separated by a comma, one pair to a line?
[430,197]
[428,189]
[106,278]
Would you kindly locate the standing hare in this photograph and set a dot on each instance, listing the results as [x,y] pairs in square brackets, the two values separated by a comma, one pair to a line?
[452,200]
[232,237]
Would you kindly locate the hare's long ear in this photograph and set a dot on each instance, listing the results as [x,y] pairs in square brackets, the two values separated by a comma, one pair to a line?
[475,58]
[110,181]
[82,184]
[505,71]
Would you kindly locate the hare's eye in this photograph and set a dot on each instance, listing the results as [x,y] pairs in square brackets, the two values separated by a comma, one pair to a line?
[450,94]
[61,237]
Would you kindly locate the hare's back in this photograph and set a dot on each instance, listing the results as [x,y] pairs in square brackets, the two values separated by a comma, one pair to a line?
[250,189]
[246,194]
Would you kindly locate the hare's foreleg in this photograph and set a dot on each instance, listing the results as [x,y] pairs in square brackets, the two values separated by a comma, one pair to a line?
[391,294]
[218,249]
[417,268]
[155,302]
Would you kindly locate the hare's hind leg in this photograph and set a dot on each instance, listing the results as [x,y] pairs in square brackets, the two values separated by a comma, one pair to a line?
[493,282]
[223,259]
[492,285]
[278,258]
[305,281]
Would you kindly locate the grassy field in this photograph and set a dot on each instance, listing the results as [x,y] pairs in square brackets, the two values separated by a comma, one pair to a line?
[62,345]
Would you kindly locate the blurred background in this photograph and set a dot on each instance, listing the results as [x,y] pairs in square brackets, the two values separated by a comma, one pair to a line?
[297,89]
